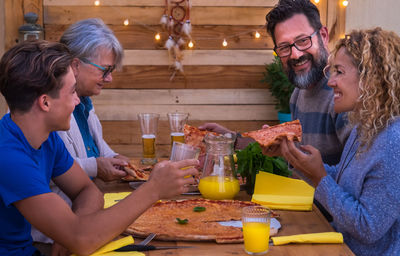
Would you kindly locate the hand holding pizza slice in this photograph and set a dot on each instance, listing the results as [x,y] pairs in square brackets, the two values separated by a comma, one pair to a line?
[270,136]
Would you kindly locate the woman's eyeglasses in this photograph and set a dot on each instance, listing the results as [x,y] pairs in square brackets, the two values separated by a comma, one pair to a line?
[106,70]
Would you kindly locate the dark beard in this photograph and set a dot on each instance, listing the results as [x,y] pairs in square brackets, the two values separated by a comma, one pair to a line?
[316,73]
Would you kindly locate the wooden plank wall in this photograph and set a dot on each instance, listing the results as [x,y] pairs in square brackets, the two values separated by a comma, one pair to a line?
[220,84]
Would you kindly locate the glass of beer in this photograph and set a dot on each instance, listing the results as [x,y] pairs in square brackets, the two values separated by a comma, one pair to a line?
[148,127]
[176,122]
[256,226]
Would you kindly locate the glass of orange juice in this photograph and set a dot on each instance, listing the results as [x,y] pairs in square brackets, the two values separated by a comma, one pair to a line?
[181,151]
[256,226]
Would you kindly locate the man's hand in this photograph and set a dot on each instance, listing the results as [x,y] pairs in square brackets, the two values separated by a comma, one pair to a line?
[59,250]
[168,178]
[122,157]
[308,160]
[214,127]
[109,168]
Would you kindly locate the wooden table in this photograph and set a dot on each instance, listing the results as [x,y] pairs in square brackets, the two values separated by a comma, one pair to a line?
[293,222]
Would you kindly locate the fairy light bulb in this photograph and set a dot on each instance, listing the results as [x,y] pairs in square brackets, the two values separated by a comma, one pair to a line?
[224,43]
[190,44]
[96,3]
[126,22]
[345,3]
[257,35]
[157,36]
[316,1]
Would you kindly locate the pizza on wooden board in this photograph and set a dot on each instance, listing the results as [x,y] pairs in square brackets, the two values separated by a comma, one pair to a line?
[195,137]
[136,171]
[271,135]
[201,217]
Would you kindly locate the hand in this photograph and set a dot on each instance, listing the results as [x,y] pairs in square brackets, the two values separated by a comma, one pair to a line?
[308,161]
[273,150]
[109,168]
[59,250]
[168,178]
[122,157]
[214,127]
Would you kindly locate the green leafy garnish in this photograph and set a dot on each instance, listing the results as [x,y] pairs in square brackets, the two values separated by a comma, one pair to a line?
[199,209]
[185,221]
[251,160]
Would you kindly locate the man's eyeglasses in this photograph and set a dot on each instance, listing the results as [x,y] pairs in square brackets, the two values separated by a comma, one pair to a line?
[106,70]
[301,44]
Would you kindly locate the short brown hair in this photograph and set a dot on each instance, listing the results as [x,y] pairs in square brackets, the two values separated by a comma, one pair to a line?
[31,69]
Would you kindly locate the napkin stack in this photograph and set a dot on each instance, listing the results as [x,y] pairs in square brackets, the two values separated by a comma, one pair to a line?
[108,249]
[278,192]
[112,198]
[315,238]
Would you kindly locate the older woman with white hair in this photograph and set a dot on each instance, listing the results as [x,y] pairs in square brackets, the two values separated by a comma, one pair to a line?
[97,53]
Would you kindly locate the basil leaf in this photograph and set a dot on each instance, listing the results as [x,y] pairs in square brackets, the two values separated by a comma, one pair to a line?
[199,209]
[185,221]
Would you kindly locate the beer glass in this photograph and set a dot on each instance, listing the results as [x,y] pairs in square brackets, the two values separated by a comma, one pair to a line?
[256,226]
[148,126]
[176,122]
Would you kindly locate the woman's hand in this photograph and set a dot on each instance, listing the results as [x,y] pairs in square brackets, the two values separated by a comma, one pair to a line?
[308,160]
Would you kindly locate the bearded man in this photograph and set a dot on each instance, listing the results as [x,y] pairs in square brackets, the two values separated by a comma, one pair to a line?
[301,42]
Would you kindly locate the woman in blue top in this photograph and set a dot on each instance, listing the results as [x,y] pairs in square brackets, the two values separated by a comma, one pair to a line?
[362,192]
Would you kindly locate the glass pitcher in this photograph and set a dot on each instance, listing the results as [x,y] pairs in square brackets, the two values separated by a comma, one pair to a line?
[218,180]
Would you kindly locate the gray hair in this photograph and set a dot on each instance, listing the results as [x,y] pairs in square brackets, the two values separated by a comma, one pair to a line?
[85,37]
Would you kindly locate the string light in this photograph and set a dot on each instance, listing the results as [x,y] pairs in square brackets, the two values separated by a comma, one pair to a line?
[316,1]
[126,22]
[157,36]
[190,44]
[257,35]
[96,3]
[224,43]
[345,3]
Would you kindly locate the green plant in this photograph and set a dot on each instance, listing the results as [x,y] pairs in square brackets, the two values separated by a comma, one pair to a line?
[251,160]
[279,85]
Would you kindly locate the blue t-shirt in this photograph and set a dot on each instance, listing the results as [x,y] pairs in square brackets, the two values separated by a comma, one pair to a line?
[24,172]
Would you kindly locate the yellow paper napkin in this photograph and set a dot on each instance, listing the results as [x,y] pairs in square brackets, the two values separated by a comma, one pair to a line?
[314,238]
[278,192]
[111,246]
[112,198]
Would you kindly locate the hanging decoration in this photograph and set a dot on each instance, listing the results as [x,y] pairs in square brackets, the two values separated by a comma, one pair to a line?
[176,22]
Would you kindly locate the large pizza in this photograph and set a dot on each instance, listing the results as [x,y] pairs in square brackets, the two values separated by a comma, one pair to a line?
[271,135]
[191,220]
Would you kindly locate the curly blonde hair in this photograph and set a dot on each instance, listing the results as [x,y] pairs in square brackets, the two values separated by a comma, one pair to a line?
[376,53]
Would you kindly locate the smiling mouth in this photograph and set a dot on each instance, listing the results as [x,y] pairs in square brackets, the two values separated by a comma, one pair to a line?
[337,95]
[300,63]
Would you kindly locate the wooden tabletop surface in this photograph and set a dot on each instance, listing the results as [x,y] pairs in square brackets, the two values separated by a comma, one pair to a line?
[293,222]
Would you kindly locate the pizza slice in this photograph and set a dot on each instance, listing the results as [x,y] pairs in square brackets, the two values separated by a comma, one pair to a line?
[136,172]
[271,135]
[195,137]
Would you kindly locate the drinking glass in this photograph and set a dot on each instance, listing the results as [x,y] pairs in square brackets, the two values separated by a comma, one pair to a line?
[181,151]
[256,226]
[148,127]
[176,123]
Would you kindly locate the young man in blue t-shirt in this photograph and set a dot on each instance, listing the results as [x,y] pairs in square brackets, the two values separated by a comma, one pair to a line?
[39,86]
